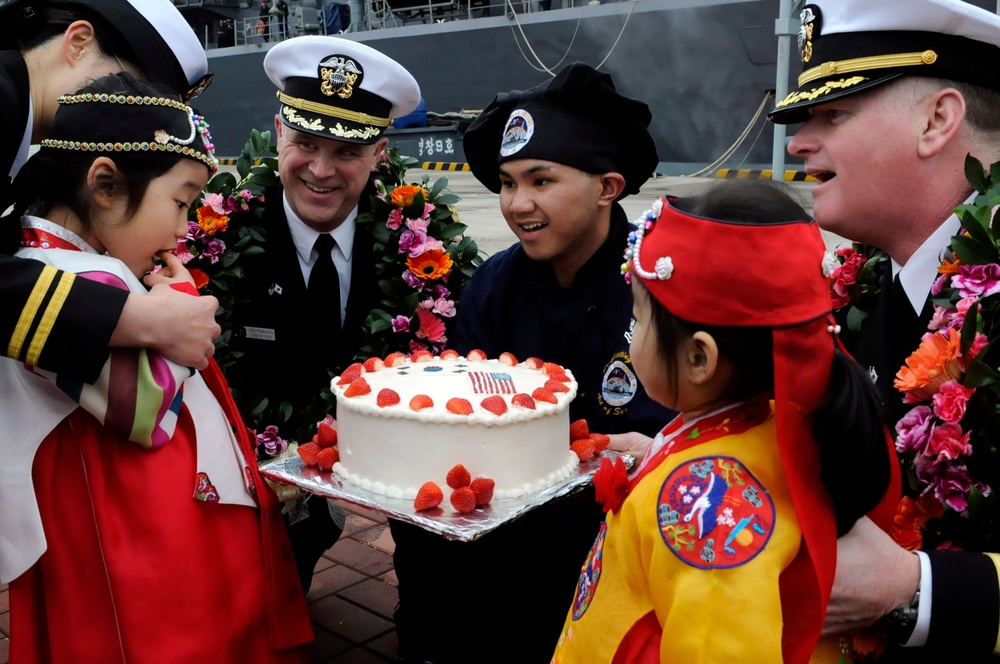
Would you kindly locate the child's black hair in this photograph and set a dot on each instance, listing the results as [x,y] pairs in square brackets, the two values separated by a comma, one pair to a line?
[53,178]
[849,424]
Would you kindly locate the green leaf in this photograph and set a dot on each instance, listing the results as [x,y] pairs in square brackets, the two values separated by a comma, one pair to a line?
[975,174]
[979,374]
[972,251]
[446,199]
[855,317]
[978,228]
[438,187]
[452,230]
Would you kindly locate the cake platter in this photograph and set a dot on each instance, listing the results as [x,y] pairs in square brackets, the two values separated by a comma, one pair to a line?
[291,470]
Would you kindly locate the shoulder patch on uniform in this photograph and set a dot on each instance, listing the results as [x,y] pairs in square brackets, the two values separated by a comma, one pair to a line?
[714,514]
[590,575]
[619,384]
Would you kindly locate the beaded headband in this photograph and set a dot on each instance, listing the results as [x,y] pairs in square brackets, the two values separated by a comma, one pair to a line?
[80,126]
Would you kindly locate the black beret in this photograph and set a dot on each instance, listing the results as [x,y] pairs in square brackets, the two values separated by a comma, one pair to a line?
[577,118]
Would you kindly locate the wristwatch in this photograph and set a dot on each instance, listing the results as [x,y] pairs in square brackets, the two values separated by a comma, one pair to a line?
[901,622]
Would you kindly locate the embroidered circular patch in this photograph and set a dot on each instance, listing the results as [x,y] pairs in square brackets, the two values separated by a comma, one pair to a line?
[520,127]
[589,575]
[713,513]
[619,383]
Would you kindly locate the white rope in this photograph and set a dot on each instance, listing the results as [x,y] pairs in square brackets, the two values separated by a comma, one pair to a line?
[739,141]
[541,66]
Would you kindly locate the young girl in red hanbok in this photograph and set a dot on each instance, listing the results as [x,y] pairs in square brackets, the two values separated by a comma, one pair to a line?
[134,526]
[721,546]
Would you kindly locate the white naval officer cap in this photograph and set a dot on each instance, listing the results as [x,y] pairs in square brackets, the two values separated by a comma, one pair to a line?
[849,46]
[163,44]
[338,88]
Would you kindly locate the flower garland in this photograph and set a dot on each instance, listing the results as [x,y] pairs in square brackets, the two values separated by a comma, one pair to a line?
[223,229]
[947,439]
[949,436]
[426,260]
[855,281]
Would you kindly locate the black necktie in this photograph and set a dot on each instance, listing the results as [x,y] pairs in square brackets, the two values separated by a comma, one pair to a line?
[324,284]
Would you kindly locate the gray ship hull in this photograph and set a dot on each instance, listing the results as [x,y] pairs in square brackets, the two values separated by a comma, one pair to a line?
[703,67]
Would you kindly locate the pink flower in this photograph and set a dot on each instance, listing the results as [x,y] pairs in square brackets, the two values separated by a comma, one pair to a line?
[941,318]
[978,344]
[194,232]
[947,443]
[444,307]
[977,280]
[245,194]
[846,276]
[950,483]
[418,225]
[215,201]
[429,244]
[940,283]
[395,219]
[409,241]
[950,401]
[431,327]
[400,324]
[412,280]
[913,430]
[183,253]
[214,248]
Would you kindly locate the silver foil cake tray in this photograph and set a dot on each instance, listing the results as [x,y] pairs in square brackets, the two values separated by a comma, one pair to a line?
[443,520]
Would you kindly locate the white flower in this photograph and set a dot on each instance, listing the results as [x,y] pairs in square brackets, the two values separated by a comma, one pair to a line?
[664,267]
[830,263]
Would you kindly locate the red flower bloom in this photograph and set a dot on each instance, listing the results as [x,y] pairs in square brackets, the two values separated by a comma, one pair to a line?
[611,484]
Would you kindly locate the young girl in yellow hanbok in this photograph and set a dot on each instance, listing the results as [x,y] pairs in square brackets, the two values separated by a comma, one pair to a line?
[721,546]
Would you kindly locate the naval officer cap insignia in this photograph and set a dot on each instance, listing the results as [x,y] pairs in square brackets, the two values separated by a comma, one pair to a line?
[156,37]
[339,89]
[577,119]
[849,46]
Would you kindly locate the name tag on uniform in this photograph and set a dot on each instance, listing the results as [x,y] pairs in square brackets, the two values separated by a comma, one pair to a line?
[262,333]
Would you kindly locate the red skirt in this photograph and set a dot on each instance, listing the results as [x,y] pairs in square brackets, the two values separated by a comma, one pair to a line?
[136,570]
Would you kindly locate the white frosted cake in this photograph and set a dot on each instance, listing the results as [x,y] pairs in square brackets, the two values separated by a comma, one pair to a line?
[414,419]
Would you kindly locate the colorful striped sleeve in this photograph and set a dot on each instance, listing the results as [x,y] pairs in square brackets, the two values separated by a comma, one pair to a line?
[138,393]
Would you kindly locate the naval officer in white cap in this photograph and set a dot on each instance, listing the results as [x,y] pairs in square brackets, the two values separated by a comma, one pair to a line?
[893,95]
[312,289]
[53,47]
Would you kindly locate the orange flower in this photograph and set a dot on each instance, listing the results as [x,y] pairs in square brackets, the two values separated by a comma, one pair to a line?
[949,266]
[211,221]
[432,264]
[936,361]
[200,278]
[912,516]
[403,196]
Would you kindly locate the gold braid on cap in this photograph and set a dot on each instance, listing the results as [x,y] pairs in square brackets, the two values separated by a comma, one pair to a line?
[333,111]
[891,60]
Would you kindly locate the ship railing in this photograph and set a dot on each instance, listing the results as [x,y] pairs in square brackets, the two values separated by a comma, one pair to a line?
[376,15]
[260,31]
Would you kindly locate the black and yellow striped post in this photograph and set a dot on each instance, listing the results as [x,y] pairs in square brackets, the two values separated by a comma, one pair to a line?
[744,173]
